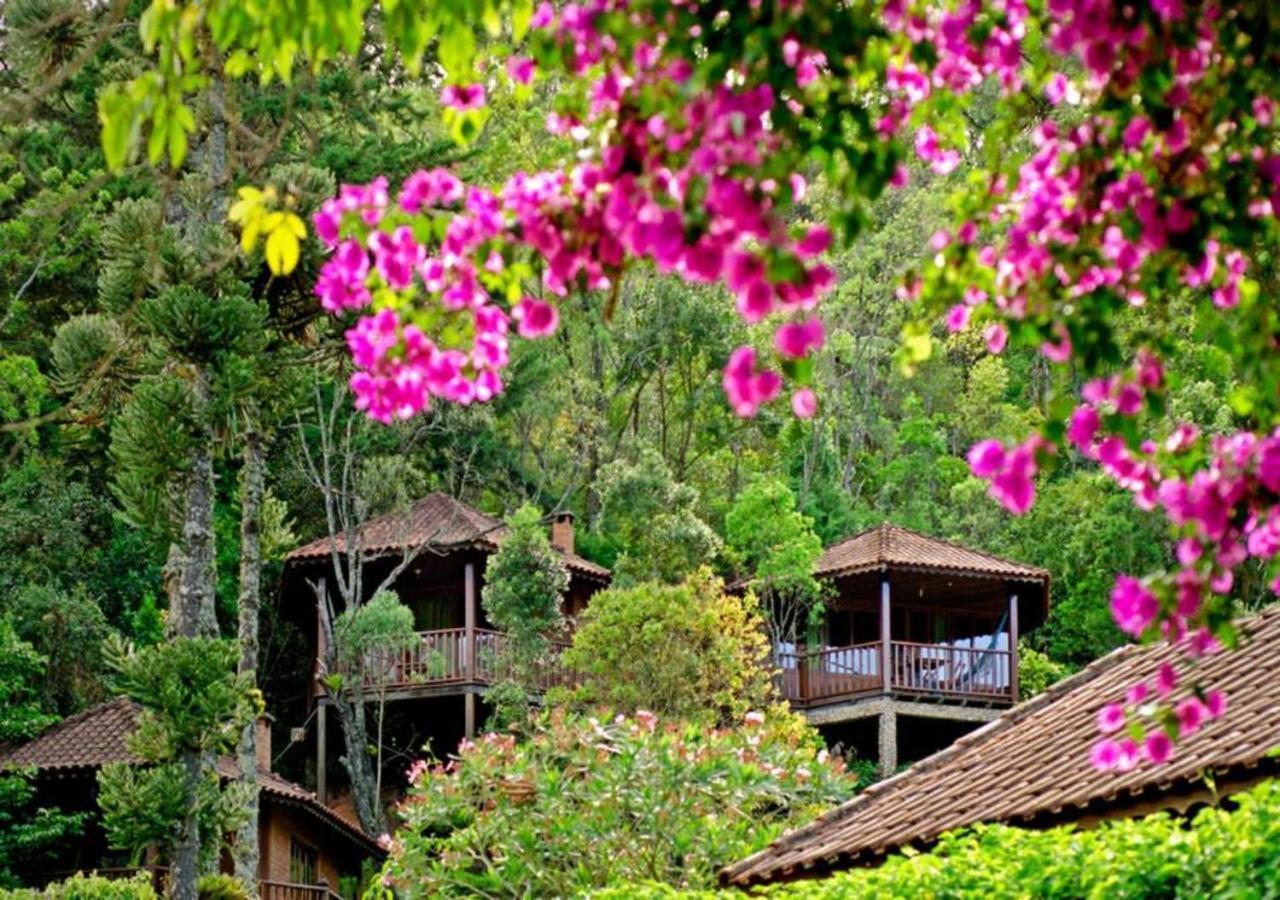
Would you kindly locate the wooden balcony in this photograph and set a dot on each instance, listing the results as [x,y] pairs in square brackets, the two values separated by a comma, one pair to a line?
[818,676]
[454,660]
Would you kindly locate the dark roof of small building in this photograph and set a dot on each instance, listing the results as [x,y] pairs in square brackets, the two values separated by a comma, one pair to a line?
[99,735]
[437,520]
[1031,765]
[889,546]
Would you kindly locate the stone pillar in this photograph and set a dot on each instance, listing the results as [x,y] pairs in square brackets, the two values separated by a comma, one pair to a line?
[888,741]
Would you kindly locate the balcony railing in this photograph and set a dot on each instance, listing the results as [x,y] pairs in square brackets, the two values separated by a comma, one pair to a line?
[826,674]
[457,657]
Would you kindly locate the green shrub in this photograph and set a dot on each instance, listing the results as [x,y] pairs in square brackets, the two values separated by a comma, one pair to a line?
[221,887]
[685,651]
[91,887]
[583,804]
[1221,852]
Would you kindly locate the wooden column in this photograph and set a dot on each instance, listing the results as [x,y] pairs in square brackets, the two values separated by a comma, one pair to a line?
[322,737]
[886,649]
[1013,646]
[802,669]
[469,646]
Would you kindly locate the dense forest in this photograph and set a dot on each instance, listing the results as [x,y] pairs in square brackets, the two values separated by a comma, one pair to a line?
[150,351]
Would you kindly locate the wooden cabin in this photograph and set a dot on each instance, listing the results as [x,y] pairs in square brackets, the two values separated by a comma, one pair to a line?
[915,627]
[307,851]
[458,652]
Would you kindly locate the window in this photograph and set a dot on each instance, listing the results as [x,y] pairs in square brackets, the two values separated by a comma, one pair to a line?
[302,862]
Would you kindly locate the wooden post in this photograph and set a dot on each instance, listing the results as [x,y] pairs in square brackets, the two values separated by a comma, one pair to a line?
[802,669]
[886,659]
[322,736]
[469,621]
[1013,646]
[469,648]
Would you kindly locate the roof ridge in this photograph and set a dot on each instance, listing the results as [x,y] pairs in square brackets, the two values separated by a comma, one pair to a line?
[967,549]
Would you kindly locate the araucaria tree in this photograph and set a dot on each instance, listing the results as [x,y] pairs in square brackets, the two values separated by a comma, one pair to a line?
[1122,185]
[193,707]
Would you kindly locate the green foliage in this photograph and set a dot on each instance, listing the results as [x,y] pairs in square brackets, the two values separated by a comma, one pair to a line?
[525,581]
[1233,851]
[193,707]
[368,637]
[26,832]
[584,804]
[653,520]
[1036,671]
[222,887]
[68,627]
[778,549]
[685,651]
[90,887]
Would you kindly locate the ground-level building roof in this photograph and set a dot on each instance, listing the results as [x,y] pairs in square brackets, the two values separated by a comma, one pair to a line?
[99,735]
[439,521]
[1031,766]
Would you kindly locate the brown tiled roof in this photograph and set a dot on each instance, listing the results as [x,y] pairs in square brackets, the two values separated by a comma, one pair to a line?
[440,521]
[88,739]
[98,735]
[890,546]
[1031,765]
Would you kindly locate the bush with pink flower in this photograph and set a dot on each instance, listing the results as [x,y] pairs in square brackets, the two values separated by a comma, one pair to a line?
[584,803]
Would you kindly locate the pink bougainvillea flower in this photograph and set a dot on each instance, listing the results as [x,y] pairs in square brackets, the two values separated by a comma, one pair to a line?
[747,388]
[463,97]
[520,69]
[1158,747]
[1110,718]
[1133,607]
[797,339]
[535,318]
[1166,680]
[1105,755]
[958,317]
[804,404]
[997,337]
[986,458]
[1191,715]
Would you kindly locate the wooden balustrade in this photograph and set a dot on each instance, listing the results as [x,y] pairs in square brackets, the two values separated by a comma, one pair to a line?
[830,673]
[439,658]
[283,890]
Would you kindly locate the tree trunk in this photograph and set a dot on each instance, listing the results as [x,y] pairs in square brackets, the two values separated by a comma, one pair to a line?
[246,845]
[184,872]
[194,614]
[355,736]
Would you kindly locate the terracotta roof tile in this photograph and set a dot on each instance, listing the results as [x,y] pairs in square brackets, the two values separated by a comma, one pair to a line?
[88,739]
[98,735]
[1031,765]
[441,521]
[890,546]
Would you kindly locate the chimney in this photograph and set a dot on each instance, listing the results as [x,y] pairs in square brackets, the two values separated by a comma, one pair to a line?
[262,740]
[562,531]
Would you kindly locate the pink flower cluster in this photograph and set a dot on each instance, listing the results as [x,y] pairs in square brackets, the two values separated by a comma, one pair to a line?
[1011,471]
[1153,741]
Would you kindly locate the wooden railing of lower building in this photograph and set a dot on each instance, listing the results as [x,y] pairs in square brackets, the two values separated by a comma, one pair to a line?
[814,676]
[159,875]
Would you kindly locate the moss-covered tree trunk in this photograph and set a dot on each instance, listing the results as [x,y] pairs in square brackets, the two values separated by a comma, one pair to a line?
[251,490]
